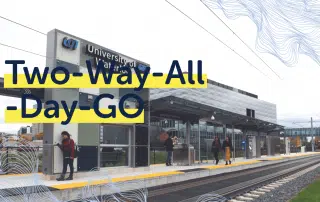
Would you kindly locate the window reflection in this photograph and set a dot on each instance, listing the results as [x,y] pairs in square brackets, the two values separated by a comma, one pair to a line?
[113,134]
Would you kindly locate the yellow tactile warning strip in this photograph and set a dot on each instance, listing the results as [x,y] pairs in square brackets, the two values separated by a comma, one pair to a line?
[275,159]
[232,164]
[73,185]
[120,179]
[162,164]
[144,176]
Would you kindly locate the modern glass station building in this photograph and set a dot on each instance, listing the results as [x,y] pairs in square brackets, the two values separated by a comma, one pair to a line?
[219,110]
[195,116]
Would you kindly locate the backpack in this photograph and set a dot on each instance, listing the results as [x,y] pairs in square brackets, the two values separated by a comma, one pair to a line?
[76,150]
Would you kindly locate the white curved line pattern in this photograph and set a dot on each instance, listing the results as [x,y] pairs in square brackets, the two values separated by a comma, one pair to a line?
[285,28]
[22,158]
[27,91]
[114,192]
[211,198]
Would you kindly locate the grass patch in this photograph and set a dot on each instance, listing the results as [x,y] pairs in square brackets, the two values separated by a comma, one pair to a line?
[309,194]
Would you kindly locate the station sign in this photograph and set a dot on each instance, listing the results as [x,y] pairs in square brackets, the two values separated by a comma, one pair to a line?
[97,53]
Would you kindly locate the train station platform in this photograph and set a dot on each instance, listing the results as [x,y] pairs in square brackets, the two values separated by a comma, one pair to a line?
[154,175]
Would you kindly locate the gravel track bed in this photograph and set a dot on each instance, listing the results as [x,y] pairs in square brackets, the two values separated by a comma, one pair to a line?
[287,191]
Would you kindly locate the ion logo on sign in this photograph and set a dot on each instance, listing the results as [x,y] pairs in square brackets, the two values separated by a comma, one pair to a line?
[142,67]
[69,43]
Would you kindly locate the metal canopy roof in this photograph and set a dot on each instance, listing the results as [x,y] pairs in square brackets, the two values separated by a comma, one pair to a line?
[18,92]
[185,110]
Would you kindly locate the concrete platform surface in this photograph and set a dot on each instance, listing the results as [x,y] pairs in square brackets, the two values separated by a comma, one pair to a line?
[150,176]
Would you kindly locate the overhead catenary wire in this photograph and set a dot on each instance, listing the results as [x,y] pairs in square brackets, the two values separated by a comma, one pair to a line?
[206,30]
[27,27]
[23,25]
[23,50]
[241,39]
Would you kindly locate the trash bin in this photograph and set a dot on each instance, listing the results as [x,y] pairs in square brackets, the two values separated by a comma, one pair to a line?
[180,154]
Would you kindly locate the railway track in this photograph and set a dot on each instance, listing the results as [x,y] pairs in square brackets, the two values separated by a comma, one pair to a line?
[234,191]
[232,185]
[259,191]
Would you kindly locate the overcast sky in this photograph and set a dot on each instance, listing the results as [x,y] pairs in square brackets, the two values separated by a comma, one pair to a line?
[156,33]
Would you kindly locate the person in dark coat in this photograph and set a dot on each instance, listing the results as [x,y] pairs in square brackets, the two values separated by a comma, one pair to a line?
[215,148]
[169,148]
[67,148]
[227,147]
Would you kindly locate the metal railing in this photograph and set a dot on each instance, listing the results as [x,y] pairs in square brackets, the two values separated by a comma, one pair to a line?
[13,156]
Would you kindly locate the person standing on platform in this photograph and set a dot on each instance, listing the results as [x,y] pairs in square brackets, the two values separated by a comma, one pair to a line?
[169,148]
[215,148]
[227,146]
[67,148]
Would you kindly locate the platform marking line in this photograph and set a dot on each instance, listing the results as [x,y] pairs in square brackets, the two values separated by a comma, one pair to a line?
[119,179]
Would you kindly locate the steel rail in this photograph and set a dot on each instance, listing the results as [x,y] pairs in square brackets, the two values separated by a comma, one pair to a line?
[244,187]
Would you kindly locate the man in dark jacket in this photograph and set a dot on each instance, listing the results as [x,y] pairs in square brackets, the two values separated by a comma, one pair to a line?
[215,148]
[169,148]
[67,148]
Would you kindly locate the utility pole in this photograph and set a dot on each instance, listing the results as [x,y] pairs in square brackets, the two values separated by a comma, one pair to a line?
[312,143]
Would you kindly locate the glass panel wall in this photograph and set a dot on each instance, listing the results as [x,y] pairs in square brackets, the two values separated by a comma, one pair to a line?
[113,134]
[113,156]
[114,145]
[178,128]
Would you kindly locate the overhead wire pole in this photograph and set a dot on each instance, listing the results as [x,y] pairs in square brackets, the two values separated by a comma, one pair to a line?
[312,142]
[241,39]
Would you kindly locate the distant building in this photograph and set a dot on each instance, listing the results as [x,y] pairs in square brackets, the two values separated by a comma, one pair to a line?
[37,128]
[25,130]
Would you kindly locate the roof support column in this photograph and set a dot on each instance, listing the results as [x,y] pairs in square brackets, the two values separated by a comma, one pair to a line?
[244,143]
[188,132]
[199,139]
[258,145]
[269,145]
[233,144]
[215,130]
[287,143]
[225,131]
